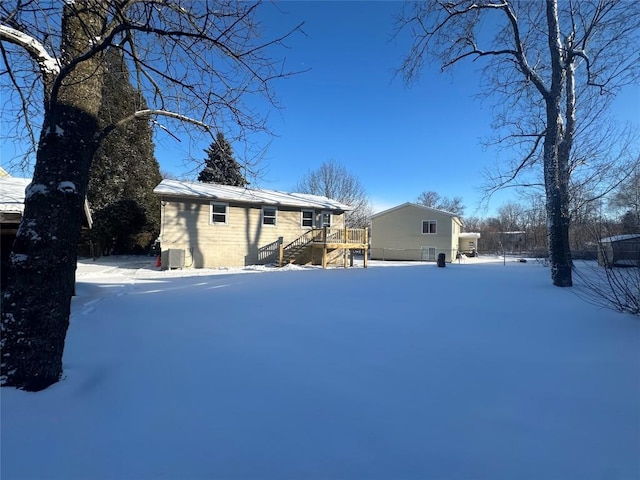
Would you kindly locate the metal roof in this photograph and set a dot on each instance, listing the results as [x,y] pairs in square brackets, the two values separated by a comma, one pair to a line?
[226,193]
[619,238]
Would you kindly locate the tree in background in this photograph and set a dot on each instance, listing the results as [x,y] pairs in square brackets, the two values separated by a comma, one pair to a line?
[334,181]
[435,200]
[220,165]
[553,68]
[625,201]
[124,170]
[53,63]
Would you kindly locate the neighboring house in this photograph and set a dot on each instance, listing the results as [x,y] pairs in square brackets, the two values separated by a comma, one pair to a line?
[415,232]
[621,250]
[11,208]
[12,194]
[211,225]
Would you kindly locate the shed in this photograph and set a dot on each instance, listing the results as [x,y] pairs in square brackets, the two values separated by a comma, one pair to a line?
[620,250]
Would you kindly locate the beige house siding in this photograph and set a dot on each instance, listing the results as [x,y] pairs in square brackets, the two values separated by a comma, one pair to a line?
[242,240]
[397,234]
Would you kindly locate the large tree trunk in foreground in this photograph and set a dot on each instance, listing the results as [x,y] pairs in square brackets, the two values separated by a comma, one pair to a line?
[36,304]
[557,150]
[558,236]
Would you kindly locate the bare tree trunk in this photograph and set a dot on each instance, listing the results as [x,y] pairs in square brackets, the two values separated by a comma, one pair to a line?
[556,158]
[36,305]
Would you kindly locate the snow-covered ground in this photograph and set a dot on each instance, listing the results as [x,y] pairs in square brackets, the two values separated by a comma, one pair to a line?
[474,371]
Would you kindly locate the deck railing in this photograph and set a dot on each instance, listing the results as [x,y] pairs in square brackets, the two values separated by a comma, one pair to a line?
[341,237]
[304,239]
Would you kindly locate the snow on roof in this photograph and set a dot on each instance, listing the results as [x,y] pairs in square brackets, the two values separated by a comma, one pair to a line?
[469,235]
[12,194]
[618,238]
[384,212]
[228,193]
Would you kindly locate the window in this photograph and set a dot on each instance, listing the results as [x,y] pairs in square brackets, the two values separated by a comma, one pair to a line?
[429,226]
[428,254]
[219,212]
[326,219]
[269,215]
[307,218]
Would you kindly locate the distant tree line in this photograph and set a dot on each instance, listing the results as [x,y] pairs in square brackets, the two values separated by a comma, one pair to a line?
[520,227]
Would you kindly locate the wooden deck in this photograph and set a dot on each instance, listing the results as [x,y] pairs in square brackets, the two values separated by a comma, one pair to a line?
[327,239]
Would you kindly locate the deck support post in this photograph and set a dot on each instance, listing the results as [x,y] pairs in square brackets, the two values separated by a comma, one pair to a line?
[366,245]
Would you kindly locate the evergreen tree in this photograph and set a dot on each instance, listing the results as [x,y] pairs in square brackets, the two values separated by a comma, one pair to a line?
[220,166]
[53,54]
[124,171]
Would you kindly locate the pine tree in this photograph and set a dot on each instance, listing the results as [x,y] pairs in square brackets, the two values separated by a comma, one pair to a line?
[220,166]
[124,171]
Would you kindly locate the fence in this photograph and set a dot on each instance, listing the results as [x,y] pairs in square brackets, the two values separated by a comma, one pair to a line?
[411,254]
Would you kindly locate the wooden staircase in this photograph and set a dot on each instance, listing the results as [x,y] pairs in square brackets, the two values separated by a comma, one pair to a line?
[294,250]
[327,239]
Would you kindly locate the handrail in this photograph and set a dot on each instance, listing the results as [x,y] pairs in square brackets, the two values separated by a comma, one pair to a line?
[303,239]
[326,235]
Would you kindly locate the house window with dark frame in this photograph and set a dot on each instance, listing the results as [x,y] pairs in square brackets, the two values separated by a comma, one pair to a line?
[269,215]
[307,218]
[219,213]
[429,227]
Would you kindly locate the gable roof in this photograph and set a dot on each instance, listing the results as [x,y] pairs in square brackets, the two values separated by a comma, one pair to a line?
[409,204]
[12,195]
[214,191]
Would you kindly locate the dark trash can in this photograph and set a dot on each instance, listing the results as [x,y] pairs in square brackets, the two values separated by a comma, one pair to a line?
[441,259]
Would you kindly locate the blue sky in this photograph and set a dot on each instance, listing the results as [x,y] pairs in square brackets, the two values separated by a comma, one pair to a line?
[398,140]
[348,107]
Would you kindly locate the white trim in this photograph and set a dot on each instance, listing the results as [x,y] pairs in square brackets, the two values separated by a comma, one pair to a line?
[422,207]
[435,223]
[226,213]
[274,216]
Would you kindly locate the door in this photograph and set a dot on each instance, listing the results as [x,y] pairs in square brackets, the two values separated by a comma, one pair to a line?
[428,254]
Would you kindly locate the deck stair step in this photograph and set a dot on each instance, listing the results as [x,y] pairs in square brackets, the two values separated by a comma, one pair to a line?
[327,239]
